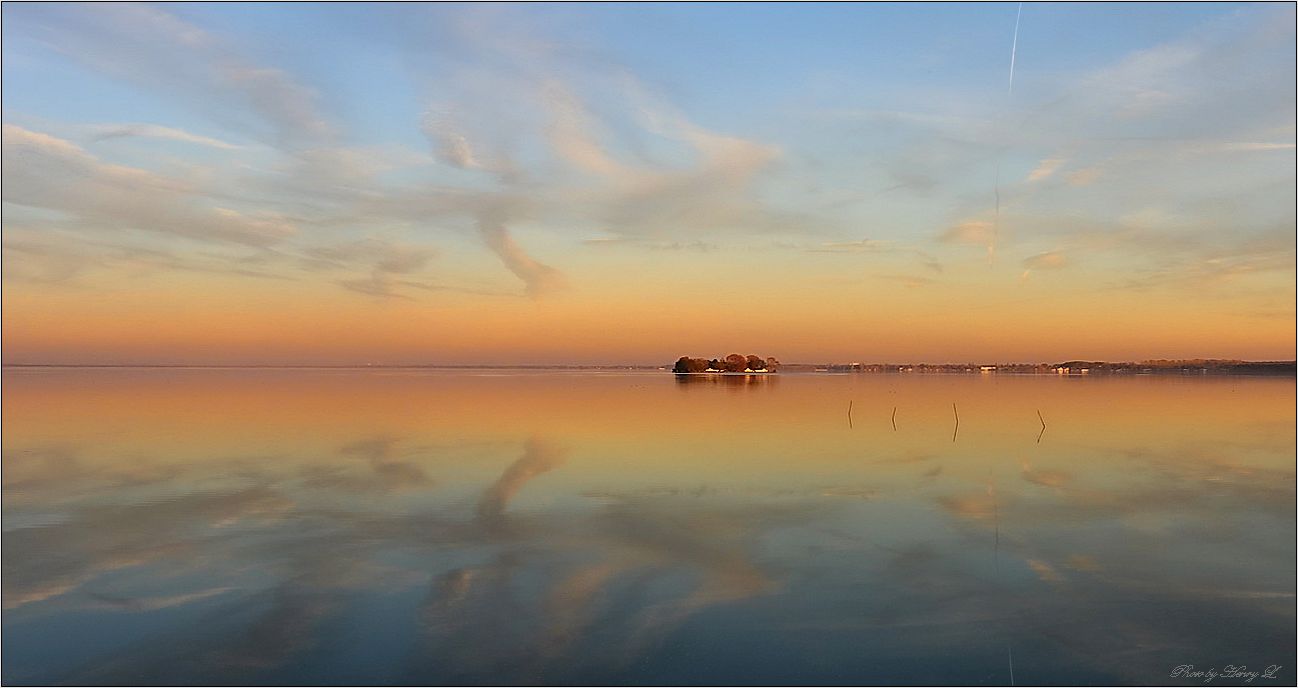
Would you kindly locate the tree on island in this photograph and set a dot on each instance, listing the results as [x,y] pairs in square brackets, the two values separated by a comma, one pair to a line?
[690,365]
[734,363]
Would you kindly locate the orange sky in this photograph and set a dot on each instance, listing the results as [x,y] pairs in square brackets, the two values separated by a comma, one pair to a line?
[796,316]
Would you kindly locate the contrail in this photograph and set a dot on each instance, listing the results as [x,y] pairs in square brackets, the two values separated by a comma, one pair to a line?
[996,222]
[1014,48]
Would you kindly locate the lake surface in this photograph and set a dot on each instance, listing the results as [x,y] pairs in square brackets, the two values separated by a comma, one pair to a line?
[401,526]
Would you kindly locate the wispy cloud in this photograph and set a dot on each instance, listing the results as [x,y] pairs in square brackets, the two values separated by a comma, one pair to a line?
[977,232]
[104,132]
[1050,260]
[54,257]
[862,246]
[386,263]
[450,145]
[541,279]
[159,52]
[117,197]
[1045,169]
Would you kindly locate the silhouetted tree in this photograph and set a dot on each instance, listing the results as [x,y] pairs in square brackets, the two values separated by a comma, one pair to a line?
[690,365]
[734,363]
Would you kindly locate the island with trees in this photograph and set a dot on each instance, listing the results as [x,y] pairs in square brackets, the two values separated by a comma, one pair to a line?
[732,364]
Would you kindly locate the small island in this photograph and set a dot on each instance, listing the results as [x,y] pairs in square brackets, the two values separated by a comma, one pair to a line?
[732,364]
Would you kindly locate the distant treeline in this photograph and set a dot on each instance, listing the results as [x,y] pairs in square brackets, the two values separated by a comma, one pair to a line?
[1154,367]
[734,363]
[1198,365]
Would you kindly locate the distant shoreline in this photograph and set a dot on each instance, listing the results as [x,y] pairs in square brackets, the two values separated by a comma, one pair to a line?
[733,373]
[1066,369]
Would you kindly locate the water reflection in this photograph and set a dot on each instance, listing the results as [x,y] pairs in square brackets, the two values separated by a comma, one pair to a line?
[538,457]
[336,527]
[728,380]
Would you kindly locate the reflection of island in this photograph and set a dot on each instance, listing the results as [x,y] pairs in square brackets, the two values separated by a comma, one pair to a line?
[734,363]
[729,380]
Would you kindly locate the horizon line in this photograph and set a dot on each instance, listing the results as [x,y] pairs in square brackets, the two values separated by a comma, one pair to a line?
[655,366]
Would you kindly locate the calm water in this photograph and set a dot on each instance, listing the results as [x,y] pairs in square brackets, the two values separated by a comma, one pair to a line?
[191,526]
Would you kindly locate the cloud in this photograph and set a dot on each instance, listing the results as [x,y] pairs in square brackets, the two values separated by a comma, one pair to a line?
[385,262]
[1050,260]
[635,169]
[540,279]
[976,232]
[698,245]
[104,132]
[1211,272]
[711,192]
[450,145]
[33,257]
[37,168]
[627,200]
[1160,113]
[571,135]
[157,51]
[1247,147]
[603,150]
[1045,169]
[46,255]
[862,246]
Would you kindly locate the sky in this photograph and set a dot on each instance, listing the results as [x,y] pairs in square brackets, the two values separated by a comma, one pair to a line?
[629,183]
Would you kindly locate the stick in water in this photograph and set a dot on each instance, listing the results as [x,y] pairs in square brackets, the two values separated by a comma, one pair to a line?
[957,421]
[849,414]
[894,419]
[1043,426]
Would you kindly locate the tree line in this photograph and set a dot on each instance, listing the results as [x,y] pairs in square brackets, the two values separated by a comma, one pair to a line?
[734,363]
